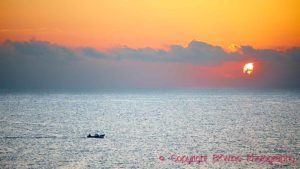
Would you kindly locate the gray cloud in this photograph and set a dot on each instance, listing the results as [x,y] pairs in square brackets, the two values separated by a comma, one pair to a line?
[36,50]
[36,64]
[91,52]
[262,54]
[277,68]
[200,53]
[196,53]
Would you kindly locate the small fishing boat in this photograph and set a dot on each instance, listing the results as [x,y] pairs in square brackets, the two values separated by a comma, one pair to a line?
[97,135]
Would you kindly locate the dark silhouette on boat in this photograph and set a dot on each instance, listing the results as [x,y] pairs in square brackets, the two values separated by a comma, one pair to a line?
[96,136]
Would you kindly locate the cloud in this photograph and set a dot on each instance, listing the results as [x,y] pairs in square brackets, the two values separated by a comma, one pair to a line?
[262,54]
[196,53]
[200,53]
[91,52]
[36,64]
[36,51]
[276,68]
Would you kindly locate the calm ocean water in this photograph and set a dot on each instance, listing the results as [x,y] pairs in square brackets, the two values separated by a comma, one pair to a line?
[148,129]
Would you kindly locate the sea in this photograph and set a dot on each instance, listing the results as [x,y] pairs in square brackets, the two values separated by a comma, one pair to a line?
[200,128]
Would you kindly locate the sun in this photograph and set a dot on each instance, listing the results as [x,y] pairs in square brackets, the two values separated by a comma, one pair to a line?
[248,68]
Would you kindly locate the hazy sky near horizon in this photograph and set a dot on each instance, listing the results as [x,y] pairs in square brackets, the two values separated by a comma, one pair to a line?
[92,44]
[42,65]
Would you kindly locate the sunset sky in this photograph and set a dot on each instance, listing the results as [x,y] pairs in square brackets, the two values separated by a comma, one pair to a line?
[143,43]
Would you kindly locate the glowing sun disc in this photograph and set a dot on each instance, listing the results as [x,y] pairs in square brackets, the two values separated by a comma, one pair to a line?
[248,68]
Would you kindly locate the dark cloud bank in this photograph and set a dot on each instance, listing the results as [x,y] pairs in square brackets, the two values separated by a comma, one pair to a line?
[41,65]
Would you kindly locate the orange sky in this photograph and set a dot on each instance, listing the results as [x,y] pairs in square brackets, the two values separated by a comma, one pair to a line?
[152,23]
